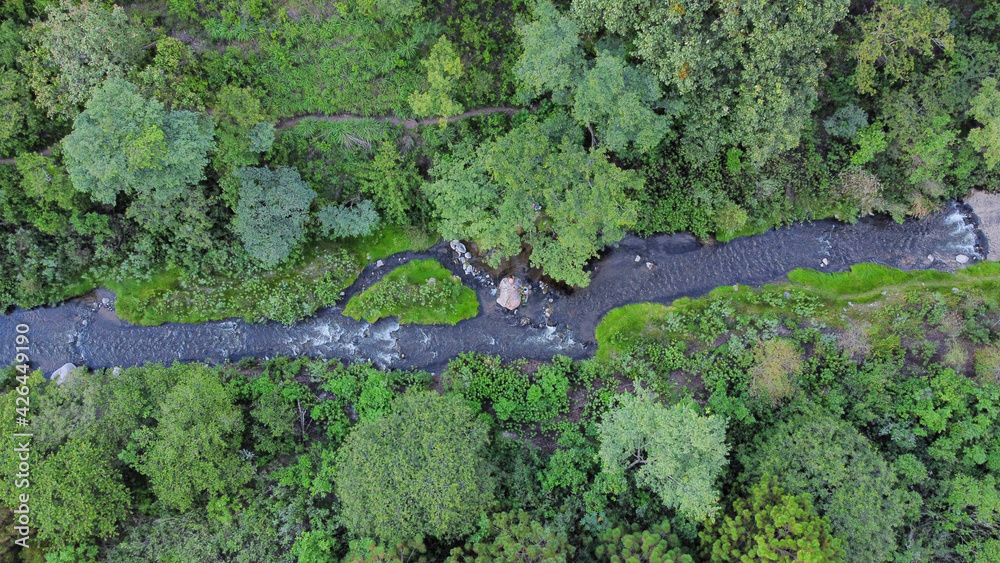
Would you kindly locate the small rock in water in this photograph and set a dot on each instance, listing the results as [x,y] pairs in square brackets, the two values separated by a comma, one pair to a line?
[736,287]
[649,265]
[106,301]
[468,255]
[84,322]
[460,248]
[342,294]
[453,244]
[468,269]
[116,371]
[461,259]
[930,257]
[379,264]
[826,262]
[637,258]
[961,259]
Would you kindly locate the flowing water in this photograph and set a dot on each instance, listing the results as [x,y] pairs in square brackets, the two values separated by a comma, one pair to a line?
[86,332]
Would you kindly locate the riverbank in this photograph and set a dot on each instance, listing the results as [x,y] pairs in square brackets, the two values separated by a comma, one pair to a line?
[986,207]
[86,331]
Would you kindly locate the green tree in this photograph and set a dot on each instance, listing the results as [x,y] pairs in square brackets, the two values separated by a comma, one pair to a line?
[75,49]
[340,221]
[419,471]
[770,525]
[986,110]
[852,486]
[272,210]
[673,451]
[893,32]
[515,536]
[393,183]
[538,186]
[78,495]
[193,448]
[20,119]
[746,73]
[124,143]
[607,93]
[444,68]
[634,544]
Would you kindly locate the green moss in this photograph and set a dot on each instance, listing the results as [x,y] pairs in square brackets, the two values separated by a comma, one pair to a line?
[286,294]
[624,325]
[405,293]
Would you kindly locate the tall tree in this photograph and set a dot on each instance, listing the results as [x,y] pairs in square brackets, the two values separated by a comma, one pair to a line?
[444,68]
[420,471]
[607,93]
[986,110]
[272,210]
[892,33]
[124,143]
[75,49]
[745,72]
[191,454]
[538,186]
[771,525]
[80,495]
[673,451]
[850,482]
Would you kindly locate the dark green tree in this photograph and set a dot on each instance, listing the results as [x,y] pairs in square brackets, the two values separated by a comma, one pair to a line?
[419,471]
[193,449]
[515,536]
[850,482]
[632,543]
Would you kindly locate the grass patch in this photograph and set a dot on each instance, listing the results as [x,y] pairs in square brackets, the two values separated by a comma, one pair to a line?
[405,293]
[809,294]
[624,325]
[286,294]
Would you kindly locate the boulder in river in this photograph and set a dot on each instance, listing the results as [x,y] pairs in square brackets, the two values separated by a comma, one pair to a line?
[59,376]
[962,259]
[509,294]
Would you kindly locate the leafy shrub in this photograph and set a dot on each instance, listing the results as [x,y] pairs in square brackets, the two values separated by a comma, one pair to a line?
[514,395]
[846,122]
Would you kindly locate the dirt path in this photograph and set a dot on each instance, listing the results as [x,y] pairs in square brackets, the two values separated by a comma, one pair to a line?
[407,123]
[411,124]
[46,152]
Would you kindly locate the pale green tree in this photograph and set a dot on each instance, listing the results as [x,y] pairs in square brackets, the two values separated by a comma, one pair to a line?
[78,495]
[272,211]
[515,536]
[419,471]
[339,221]
[537,185]
[672,451]
[444,68]
[191,454]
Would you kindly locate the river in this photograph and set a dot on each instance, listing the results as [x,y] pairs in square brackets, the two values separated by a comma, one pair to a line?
[86,332]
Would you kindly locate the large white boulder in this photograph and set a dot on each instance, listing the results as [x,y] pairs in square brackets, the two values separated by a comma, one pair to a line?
[509,295]
[60,375]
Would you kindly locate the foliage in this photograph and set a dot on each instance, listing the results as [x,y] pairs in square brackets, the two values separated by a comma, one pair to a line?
[892,33]
[271,213]
[778,362]
[747,73]
[509,536]
[675,452]
[536,186]
[420,471]
[444,68]
[851,483]
[151,153]
[984,109]
[420,291]
[513,394]
[846,122]
[770,525]
[76,49]
[658,544]
[337,221]
[80,495]
[191,451]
